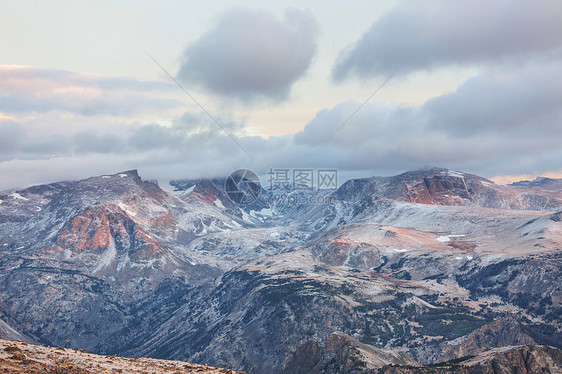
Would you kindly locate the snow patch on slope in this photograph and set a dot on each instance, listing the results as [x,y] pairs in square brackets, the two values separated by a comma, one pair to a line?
[107,257]
[189,190]
[16,195]
[126,209]
[447,238]
[246,217]
[453,173]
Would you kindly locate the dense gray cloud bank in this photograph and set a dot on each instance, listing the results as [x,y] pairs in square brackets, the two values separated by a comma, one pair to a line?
[496,122]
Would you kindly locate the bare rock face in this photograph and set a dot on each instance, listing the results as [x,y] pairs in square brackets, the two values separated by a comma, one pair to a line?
[499,333]
[526,360]
[342,354]
[99,228]
[507,360]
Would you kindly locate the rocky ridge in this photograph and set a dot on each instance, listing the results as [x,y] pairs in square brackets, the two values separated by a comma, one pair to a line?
[20,357]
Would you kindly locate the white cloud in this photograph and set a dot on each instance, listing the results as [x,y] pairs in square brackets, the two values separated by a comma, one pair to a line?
[455,33]
[251,54]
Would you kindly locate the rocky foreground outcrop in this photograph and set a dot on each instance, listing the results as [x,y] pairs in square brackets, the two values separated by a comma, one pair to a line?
[20,357]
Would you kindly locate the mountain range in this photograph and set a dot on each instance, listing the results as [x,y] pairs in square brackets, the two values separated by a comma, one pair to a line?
[385,274]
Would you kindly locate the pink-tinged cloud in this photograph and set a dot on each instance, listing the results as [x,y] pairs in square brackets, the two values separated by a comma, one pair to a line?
[26,90]
[507,179]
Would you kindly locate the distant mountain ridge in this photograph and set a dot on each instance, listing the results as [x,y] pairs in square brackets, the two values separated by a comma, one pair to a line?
[446,187]
[541,182]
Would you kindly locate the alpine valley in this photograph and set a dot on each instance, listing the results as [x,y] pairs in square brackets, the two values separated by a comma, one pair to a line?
[430,271]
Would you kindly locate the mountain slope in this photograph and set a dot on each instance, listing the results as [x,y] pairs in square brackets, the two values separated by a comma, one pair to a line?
[432,264]
[505,360]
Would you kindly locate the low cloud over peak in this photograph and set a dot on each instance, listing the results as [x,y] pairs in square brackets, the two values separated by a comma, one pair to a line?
[251,54]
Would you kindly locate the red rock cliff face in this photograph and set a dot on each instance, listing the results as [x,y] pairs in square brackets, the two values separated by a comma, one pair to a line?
[166,221]
[89,231]
[131,237]
[205,192]
[96,228]
[439,190]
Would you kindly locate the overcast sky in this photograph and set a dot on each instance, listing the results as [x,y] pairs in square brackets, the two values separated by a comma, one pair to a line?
[472,85]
